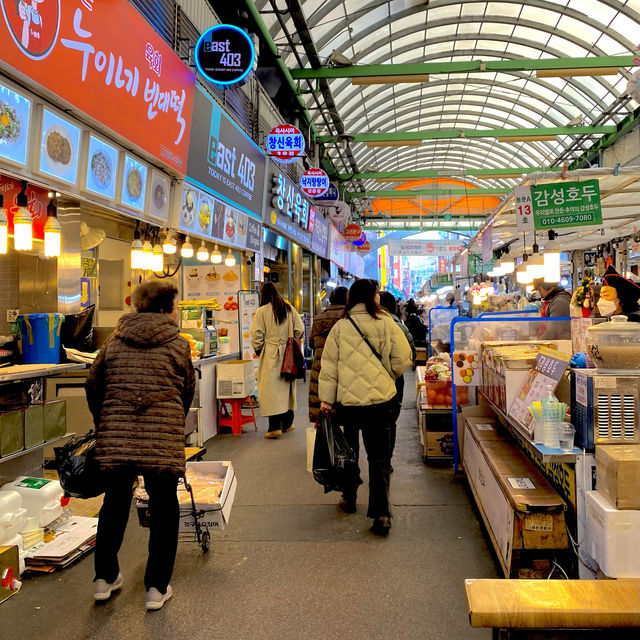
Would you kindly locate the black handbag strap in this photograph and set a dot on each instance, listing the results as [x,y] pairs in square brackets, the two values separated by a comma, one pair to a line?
[375,353]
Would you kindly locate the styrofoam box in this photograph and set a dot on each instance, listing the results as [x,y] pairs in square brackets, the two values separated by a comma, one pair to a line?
[216,515]
[12,516]
[235,379]
[40,497]
[612,537]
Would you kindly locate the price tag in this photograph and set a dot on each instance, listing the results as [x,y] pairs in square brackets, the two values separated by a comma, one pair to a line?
[484,427]
[521,483]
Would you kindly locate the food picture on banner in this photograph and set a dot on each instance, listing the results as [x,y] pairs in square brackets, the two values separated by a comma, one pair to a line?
[204,214]
[59,148]
[159,205]
[102,161]
[217,228]
[230,225]
[15,117]
[188,208]
[133,183]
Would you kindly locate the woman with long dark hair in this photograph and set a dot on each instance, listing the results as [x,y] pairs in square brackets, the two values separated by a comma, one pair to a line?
[274,323]
[364,354]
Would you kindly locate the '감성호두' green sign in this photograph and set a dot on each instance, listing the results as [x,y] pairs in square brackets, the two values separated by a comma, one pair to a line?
[566,204]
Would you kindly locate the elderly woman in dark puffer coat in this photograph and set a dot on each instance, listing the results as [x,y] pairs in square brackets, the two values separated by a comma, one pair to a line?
[139,390]
[322,324]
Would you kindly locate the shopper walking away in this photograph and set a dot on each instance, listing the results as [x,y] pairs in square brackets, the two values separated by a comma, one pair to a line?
[363,355]
[139,389]
[322,324]
[418,327]
[555,304]
[275,321]
[388,302]
[410,307]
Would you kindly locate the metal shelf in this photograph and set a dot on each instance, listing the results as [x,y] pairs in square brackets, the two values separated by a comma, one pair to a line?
[23,452]
[26,371]
[538,451]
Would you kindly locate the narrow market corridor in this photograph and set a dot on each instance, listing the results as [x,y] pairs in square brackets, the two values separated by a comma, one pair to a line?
[290,564]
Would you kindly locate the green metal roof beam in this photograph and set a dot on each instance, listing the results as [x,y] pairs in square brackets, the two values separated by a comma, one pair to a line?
[387,193]
[444,134]
[440,173]
[474,66]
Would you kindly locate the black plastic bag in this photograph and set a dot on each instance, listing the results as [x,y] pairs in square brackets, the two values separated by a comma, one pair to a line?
[77,331]
[77,468]
[334,462]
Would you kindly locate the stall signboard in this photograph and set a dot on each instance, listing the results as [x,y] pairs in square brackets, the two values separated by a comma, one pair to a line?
[288,211]
[320,237]
[208,217]
[364,247]
[223,159]
[330,195]
[524,208]
[225,54]
[15,121]
[410,247]
[560,205]
[77,51]
[356,265]
[487,246]
[60,142]
[338,248]
[38,200]
[339,213]
[248,303]
[285,143]
[314,182]
[464,264]
[360,241]
[352,232]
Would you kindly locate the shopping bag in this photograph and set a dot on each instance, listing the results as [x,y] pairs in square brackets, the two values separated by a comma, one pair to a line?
[78,469]
[311,443]
[334,462]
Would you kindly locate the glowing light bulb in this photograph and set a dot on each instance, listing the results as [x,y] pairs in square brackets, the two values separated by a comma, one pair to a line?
[216,256]
[186,250]
[147,255]
[157,258]
[229,259]
[4,228]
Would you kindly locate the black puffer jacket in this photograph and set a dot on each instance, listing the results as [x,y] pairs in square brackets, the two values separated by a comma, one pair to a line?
[139,389]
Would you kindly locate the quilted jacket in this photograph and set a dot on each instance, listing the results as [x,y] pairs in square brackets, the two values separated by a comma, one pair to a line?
[322,324]
[351,374]
[139,389]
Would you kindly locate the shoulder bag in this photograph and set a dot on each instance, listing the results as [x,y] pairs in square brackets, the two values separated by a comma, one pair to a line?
[293,361]
[375,353]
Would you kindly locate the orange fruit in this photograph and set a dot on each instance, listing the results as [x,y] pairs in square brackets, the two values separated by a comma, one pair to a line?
[440,398]
[431,395]
[469,358]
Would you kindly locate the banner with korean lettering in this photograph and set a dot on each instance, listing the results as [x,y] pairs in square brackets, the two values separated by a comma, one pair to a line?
[223,158]
[560,205]
[320,238]
[411,247]
[106,61]
[487,246]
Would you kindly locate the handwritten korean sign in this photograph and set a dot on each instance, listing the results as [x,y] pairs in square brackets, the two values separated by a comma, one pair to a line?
[566,204]
[126,78]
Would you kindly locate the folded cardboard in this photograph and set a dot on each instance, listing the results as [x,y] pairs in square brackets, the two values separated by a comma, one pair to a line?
[618,474]
[480,415]
[521,510]
[235,379]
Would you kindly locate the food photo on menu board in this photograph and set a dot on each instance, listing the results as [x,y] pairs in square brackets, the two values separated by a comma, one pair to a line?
[134,181]
[204,214]
[59,149]
[217,227]
[159,205]
[188,207]
[102,161]
[230,225]
[15,116]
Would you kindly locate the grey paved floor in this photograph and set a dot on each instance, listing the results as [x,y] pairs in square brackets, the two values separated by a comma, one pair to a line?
[289,565]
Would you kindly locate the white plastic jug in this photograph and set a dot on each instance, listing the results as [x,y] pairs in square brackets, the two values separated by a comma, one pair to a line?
[40,497]
[12,515]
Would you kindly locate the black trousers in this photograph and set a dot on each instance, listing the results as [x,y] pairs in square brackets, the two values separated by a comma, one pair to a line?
[376,423]
[397,407]
[163,533]
[281,421]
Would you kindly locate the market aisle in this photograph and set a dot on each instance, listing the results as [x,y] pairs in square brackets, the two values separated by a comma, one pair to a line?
[290,565]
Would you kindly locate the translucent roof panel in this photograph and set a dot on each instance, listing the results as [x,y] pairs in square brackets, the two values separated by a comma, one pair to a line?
[380,32]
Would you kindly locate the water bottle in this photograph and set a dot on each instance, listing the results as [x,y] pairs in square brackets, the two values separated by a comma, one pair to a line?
[550,418]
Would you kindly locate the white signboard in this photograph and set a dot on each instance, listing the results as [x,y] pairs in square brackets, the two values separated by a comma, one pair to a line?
[524,208]
[248,303]
[409,247]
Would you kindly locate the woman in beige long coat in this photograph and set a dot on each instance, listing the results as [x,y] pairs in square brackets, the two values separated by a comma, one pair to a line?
[275,321]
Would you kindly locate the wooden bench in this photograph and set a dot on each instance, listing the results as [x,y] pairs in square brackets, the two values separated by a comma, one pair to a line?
[517,608]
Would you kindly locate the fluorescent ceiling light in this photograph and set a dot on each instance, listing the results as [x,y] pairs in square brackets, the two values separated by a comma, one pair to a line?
[389,79]
[572,73]
[395,143]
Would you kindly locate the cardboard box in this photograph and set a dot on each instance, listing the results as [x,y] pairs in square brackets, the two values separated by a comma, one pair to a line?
[618,474]
[11,432]
[55,419]
[9,565]
[522,512]
[438,444]
[476,415]
[235,379]
[33,425]
[585,481]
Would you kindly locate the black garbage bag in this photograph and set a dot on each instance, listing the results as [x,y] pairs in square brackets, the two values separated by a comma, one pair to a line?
[334,462]
[77,331]
[77,468]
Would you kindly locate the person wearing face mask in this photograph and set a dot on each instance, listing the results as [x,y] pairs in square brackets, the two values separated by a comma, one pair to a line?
[619,296]
[555,304]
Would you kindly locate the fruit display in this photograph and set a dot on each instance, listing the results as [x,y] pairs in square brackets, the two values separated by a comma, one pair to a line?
[193,345]
[231,304]
[437,382]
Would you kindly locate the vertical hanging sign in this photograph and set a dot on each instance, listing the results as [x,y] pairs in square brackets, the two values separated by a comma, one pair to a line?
[524,208]
[487,248]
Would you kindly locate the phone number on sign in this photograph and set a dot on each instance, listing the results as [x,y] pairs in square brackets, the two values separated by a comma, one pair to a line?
[553,220]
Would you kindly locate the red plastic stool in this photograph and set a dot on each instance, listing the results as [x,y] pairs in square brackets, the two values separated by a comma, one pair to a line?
[233,416]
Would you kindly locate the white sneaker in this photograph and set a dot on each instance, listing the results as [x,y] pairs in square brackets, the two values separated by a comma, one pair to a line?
[102,589]
[155,600]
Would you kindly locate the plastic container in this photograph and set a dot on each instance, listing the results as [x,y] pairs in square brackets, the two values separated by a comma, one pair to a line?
[566,434]
[614,346]
[612,537]
[41,337]
[12,515]
[40,497]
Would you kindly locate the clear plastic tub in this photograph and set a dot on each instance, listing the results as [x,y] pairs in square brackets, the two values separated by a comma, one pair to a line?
[40,497]
[12,515]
